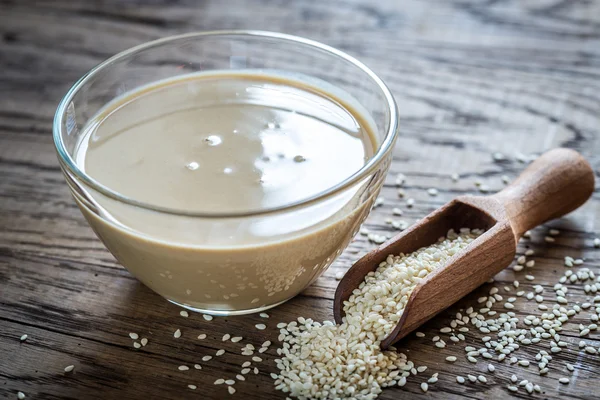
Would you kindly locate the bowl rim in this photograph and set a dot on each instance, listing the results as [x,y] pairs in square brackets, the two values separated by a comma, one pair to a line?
[386,146]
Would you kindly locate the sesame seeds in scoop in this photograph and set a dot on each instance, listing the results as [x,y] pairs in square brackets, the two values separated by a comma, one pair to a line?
[324,360]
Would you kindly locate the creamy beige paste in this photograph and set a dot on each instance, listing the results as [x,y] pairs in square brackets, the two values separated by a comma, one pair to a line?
[228,142]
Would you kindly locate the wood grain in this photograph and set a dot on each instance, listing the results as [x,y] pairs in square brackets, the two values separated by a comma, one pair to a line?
[471,78]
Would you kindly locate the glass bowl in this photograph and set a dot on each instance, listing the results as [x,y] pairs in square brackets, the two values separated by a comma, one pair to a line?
[220,277]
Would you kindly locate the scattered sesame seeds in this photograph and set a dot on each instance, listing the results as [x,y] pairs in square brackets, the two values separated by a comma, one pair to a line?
[193,387]
[144,341]
[226,337]
[236,339]
[137,345]
[373,309]
[451,359]
[23,338]
[564,381]
[183,368]
[256,359]
[69,368]
[231,390]
[219,381]
[177,334]
[264,315]
[197,366]
[201,336]
[220,352]
[184,313]
[260,327]
[206,358]
[21,395]
[460,379]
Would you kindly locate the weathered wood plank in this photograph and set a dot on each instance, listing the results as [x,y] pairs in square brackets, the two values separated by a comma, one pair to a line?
[471,78]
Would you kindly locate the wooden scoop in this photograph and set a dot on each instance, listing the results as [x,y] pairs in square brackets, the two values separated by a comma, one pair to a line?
[553,185]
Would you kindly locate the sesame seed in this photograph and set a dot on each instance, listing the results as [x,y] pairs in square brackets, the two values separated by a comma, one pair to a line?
[202,336]
[529,387]
[136,345]
[231,389]
[207,317]
[183,368]
[564,381]
[197,366]
[512,388]
[23,338]
[597,242]
[144,341]
[460,379]
[482,379]
[420,334]
[193,387]
[256,359]
[260,327]
[424,386]
[184,313]
[229,382]
[432,192]
[177,334]
[236,339]
[220,352]
[69,368]
[570,367]
[219,381]
[134,336]
[451,359]
[21,395]
[206,358]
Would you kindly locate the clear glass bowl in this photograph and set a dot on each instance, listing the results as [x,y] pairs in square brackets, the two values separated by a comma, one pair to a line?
[225,279]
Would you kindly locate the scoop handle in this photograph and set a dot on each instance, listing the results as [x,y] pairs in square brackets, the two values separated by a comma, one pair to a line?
[555,184]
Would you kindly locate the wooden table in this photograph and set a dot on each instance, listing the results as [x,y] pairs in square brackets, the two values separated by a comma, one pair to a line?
[471,78]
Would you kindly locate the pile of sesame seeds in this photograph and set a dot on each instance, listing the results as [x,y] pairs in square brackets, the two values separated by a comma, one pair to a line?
[324,360]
